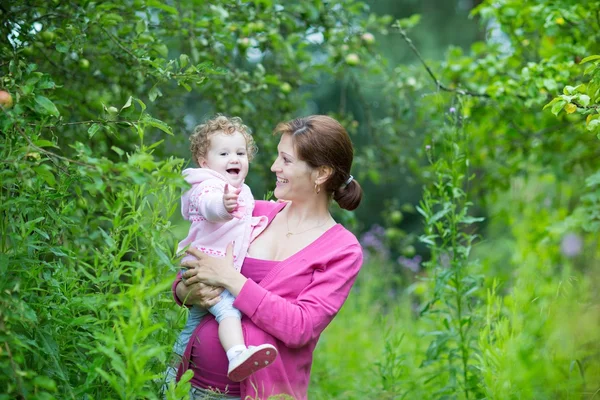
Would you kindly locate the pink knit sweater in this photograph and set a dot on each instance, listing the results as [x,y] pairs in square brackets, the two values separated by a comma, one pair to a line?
[213,227]
[292,305]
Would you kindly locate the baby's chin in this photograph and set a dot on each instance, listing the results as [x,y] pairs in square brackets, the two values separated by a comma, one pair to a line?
[235,182]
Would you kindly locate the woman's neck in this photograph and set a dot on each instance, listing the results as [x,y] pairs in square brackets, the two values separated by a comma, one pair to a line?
[303,213]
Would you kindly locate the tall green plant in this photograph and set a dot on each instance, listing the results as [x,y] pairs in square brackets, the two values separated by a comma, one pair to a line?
[452,308]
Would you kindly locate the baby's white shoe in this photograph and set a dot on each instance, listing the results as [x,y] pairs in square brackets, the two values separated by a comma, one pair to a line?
[251,360]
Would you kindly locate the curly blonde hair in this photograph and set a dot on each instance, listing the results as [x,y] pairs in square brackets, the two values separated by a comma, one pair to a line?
[200,139]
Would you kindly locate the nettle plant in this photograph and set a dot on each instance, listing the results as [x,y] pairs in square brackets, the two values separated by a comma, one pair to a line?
[451,310]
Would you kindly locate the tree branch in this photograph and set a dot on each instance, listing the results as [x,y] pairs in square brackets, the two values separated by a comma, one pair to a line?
[49,153]
[437,82]
[125,49]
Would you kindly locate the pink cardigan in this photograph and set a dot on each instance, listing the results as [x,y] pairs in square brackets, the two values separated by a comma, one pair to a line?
[213,227]
[292,305]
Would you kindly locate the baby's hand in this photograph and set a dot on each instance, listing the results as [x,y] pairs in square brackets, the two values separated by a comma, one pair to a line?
[230,198]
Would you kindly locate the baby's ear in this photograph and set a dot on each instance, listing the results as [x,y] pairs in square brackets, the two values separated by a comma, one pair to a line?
[202,162]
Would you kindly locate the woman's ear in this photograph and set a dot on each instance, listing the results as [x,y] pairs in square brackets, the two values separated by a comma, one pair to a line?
[323,174]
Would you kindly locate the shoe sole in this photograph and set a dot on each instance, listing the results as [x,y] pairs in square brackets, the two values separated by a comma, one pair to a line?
[257,361]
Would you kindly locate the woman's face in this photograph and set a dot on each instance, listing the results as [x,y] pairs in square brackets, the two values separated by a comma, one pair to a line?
[295,178]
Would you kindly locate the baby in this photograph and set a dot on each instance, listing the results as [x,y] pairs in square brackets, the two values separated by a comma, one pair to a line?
[219,206]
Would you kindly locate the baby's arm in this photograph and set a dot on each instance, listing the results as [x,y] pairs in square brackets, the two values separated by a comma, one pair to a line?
[208,200]
[230,198]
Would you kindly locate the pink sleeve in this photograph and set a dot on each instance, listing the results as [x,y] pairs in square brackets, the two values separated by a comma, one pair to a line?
[206,199]
[298,322]
[174,287]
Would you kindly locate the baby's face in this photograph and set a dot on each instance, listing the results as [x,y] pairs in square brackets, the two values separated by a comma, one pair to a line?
[227,155]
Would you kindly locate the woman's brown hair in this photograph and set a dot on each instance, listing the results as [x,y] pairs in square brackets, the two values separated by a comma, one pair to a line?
[322,141]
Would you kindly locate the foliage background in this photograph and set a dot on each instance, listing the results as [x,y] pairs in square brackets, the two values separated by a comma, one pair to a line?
[481,213]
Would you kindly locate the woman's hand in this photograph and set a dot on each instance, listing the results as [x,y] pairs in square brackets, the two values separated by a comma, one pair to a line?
[198,294]
[214,271]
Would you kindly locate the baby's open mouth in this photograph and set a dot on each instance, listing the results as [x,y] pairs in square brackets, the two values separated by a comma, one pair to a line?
[234,171]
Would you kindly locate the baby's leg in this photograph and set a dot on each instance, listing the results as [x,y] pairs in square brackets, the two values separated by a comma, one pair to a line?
[243,361]
[230,333]
[230,325]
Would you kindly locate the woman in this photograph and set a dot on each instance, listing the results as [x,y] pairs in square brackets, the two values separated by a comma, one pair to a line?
[298,271]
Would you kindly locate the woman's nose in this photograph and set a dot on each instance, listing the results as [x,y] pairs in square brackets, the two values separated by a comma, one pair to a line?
[274,166]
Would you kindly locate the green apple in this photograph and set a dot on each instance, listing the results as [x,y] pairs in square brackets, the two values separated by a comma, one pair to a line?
[48,36]
[408,251]
[368,38]
[84,63]
[28,51]
[352,59]
[285,88]
[6,100]
[396,217]
[244,42]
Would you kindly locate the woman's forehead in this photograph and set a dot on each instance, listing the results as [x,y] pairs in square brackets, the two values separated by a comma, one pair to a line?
[286,144]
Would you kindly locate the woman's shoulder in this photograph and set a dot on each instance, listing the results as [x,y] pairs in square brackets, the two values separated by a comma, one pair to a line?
[267,208]
[342,238]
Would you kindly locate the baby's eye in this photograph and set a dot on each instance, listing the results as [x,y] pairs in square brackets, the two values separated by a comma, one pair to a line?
[223,154]
[241,153]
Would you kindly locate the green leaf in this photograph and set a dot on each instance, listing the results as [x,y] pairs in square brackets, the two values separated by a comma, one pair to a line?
[140,26]
[158,124]
[62,47]
[128,103]
[43,172]
[93,129]
[593,124]
[161,49]
[117,150]
[45,106]
[183,60]
[142,104]
[470,220]
[593,180]
[590,58]
[551,103]
[162,6]
[584,99]
[558,106]
[154,93]
[44,143]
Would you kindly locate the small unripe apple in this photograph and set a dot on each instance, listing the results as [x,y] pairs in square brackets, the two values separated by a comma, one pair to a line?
[396,217]
[244,42]
[28,51]
[368,38]
[48,36]
[84,63]
[352,59]
[408,251]
[6,100]
[285,87]
[113,110]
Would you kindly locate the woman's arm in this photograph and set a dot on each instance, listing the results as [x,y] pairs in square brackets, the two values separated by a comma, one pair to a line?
[298,322]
